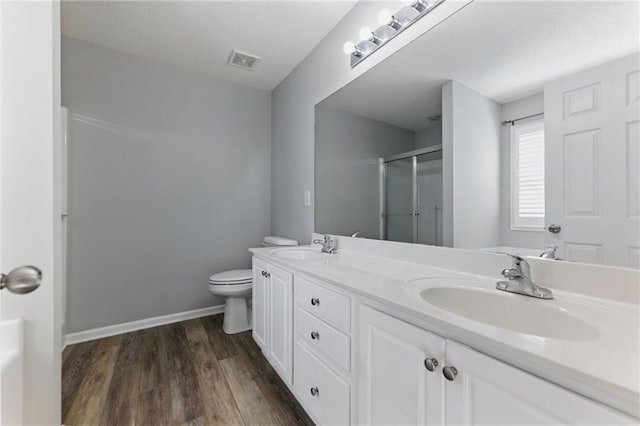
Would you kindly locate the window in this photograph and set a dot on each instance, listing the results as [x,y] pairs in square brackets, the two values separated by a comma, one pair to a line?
[527,176]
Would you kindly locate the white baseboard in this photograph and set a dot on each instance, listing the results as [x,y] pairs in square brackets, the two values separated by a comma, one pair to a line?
[112,330]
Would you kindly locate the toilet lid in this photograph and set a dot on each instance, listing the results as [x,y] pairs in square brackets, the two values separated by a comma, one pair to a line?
[237,276]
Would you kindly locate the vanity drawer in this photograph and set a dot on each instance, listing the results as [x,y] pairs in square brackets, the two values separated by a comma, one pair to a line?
[324,339]
[333,307]
[324,393]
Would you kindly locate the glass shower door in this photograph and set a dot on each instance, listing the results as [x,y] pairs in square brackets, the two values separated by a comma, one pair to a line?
[401,203]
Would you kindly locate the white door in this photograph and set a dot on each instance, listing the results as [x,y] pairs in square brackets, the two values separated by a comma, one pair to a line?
[399,380]
[259,305]
[29,229]
[280,341]
[488,392]
[592,156]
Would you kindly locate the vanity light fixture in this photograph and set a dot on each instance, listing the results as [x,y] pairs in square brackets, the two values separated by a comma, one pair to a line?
[390,26]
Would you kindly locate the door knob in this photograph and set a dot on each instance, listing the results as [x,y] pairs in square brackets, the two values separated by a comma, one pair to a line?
[314,391]
[430,363]
[554,228]
[450,373]
[21,280]
[315,301]
[315,335]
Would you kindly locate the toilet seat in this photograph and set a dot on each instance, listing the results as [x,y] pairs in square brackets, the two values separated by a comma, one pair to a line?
[235,277]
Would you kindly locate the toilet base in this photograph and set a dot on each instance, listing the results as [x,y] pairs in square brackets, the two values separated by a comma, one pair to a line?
[237,315]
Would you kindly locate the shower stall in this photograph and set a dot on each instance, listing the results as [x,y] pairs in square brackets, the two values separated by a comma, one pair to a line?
[411,193]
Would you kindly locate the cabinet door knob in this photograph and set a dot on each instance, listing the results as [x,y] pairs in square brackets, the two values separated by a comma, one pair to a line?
[449,373]
[315,335]
[315,301]
[315,391]
[267,274]
[264,273]
[430,364]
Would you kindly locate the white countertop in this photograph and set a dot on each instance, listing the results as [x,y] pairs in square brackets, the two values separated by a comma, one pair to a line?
[604,366]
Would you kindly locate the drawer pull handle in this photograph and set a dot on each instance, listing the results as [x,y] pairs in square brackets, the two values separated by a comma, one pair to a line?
[315,301]
[430,364]
[315,335]
[449,373]
[315,391]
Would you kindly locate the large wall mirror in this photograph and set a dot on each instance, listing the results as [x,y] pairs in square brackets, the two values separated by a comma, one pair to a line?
[511,126]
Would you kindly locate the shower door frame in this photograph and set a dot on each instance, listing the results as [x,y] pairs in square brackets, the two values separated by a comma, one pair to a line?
[414,190]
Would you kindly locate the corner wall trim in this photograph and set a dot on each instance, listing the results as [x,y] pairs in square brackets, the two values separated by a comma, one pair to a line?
[112,330]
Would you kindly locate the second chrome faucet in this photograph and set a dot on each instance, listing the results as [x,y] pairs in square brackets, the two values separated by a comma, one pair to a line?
[329,244]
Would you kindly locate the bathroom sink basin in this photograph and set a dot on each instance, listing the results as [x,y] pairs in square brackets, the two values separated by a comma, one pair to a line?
[521,314]
[300,253]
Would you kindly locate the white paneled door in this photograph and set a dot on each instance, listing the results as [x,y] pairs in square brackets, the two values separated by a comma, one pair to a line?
[29,211]
[592,156]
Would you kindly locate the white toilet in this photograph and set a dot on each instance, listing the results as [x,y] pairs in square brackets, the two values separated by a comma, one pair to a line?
[235,286]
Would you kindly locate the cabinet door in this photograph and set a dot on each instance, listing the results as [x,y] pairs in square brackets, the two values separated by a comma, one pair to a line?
[259,308]
[280,341]
[394,386]
[487,391]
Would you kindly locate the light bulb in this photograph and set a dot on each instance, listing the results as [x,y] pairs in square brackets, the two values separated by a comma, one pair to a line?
[349,48]
[419,5]
[384,17]
[365,33]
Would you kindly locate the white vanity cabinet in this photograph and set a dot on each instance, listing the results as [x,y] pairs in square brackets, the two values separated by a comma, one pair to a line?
[322,352]
[347,362]
[487,391]
[399,372]
[399,383]
[272,312]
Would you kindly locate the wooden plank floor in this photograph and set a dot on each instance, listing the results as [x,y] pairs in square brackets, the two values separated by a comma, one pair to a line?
[188,373]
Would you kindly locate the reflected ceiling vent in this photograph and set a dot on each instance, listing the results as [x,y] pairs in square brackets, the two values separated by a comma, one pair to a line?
[243,60]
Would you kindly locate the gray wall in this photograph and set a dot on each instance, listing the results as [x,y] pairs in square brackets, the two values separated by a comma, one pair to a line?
[530,105]
[471,167]
[347,148]
[169,182]
[429,136]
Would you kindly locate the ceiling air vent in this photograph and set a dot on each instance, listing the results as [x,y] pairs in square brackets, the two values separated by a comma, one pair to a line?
[242,60]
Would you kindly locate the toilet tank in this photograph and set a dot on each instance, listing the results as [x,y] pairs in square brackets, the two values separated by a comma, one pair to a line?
[272,241]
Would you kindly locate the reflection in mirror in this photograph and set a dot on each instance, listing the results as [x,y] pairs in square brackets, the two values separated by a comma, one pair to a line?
[512,126]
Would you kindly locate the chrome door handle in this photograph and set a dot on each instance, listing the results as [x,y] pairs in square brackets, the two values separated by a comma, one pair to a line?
[21,280]
[554,228]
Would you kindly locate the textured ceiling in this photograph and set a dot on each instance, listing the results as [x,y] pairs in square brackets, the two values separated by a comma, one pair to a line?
[199,36]
[503,49]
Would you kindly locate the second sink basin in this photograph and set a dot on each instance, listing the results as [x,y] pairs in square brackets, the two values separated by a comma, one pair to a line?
[518,313]
[301,253]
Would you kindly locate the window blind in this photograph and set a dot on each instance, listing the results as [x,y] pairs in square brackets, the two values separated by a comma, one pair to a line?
[527,163]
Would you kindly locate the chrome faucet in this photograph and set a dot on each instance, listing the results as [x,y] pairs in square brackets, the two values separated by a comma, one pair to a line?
[519,280]
[329,245]
[356,234]
[550,252]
